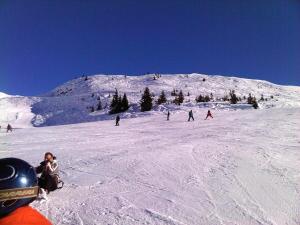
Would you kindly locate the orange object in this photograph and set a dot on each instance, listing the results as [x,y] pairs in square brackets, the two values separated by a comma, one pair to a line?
[24,216]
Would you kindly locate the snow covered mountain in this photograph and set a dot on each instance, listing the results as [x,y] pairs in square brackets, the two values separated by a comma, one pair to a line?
[71,102]
[241,167]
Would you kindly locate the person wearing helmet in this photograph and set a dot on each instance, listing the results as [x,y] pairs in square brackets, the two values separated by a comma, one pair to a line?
[48,169]
[18,188]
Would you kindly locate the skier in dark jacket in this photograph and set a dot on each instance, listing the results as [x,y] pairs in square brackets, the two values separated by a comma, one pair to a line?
[9,128]
[191,116]
[208,114]
[48,169]
[117,120]
[168,115]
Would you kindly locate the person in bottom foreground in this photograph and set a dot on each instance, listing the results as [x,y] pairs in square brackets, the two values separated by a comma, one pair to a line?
[49,179]
[18,188]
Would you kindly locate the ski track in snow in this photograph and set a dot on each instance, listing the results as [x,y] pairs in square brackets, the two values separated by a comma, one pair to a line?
[242,167]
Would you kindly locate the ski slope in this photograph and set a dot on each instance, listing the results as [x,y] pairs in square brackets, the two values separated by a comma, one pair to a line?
[242,167]
[70,102]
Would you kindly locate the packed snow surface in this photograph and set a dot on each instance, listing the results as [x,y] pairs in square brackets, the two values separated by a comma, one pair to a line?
[242,167]
[71,102]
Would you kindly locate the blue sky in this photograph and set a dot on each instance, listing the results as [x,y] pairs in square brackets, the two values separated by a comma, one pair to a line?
[45,43]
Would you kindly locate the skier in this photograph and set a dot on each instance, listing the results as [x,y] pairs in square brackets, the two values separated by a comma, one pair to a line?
[168,115]
[18,188]
[208,114]
[117,120]
[9,128]
[191,116]
[49,179]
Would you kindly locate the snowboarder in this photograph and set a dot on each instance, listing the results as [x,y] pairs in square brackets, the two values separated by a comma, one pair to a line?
[49,179]
[191,116]
[117,120]
[18,187]
[208,114]
[9,128]
[168,115]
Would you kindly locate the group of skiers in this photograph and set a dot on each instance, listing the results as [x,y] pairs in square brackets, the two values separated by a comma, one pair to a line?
[20,185]
[8,128]
[191,116]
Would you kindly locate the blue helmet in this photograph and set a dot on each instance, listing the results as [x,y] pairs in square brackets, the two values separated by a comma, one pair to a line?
[18,184]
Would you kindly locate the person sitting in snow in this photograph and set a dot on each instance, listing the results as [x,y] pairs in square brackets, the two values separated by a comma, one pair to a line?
[49,179]
[208,114]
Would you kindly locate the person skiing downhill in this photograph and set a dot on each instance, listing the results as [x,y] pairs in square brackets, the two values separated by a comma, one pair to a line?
[208,114]
[117,120]
[9,128]
[191,116]
[18,188]
[168,115]
[49,179]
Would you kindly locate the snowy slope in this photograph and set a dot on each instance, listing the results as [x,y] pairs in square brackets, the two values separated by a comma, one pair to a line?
[70,102]
[242,167]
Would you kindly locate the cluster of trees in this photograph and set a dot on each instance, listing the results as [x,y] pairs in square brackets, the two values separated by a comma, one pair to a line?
[232,98]
[202,98]
[118,103]
[98,106]
[156,76]
[162,98]
[179,98]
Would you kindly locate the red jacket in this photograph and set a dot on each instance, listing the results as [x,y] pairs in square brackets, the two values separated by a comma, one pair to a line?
[24,216]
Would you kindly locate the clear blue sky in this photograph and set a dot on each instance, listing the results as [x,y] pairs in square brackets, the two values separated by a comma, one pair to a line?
[45,43]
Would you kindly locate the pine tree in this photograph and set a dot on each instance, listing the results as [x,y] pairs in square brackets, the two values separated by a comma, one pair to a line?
[99,106]
[162,98]
[180,97]
[124,103]
[200,98]
[206,98]
[233,97]
[114,103]
[119,105]
[250,99]
[173,93]
[254,103]
[146,101]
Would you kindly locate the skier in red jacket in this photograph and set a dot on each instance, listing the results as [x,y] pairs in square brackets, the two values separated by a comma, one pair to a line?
[18,188]
[208,114]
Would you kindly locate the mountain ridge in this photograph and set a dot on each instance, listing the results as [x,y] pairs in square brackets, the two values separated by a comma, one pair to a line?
[71,102]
